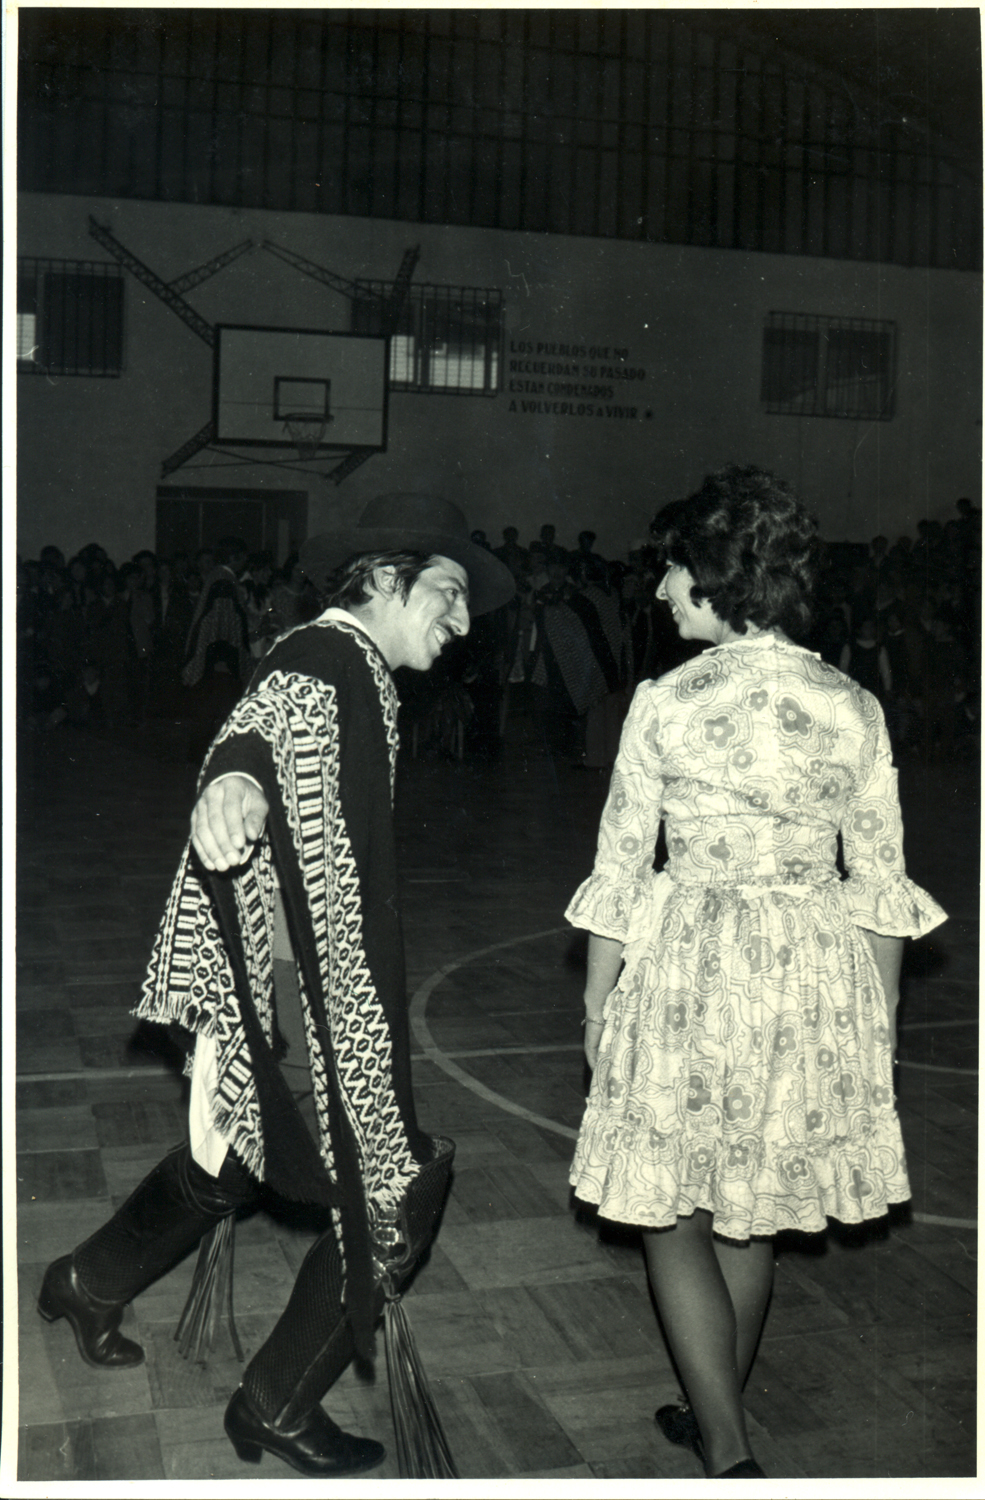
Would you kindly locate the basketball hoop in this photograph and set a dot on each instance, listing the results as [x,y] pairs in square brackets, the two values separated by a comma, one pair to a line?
[306,430]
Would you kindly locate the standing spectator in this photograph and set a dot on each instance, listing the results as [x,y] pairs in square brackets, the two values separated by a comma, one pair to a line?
[292,597]
[176,618]
[139,583]
[516,558]
[113,654]
[257,583]
[864,658]
[942,678]
[901,713]
[218,660]
[63,660]
[572,666]
[545,549]
[603,721]
[592,567]
[832,637]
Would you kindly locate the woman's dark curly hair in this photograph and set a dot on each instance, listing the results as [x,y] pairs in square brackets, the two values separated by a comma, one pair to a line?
[749,544]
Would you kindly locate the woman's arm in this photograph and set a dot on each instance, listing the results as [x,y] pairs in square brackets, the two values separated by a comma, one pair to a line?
[604,962]
[888,954]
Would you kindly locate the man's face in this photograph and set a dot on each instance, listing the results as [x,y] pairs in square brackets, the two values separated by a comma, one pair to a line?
[435,611]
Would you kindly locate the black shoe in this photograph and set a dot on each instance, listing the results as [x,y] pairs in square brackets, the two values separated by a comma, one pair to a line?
[679,1425]
[316,1446]
[95,1324]
[746,1468]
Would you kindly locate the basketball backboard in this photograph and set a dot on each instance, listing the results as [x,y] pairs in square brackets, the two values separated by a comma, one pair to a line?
[268,378]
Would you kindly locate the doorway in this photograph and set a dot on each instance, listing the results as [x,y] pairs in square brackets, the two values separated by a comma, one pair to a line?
[190,517]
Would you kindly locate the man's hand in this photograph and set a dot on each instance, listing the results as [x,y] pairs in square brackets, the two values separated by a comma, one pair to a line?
[227,820]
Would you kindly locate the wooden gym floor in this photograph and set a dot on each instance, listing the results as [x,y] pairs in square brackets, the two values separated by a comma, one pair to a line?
[536,1328]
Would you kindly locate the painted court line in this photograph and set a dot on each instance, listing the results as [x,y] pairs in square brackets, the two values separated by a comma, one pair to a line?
[418,1021]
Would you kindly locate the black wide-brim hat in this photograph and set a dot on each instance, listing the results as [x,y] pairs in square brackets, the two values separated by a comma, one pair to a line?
[414,523]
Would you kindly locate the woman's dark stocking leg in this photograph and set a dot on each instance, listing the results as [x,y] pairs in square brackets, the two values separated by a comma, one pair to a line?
[702,1327]
[747,1267]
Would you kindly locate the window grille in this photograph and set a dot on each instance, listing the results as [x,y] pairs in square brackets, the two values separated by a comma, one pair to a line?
[69,317]
[653,124]
[815,366]
[447,338]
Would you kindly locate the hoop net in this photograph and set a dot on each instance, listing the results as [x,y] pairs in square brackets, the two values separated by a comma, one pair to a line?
[306,430]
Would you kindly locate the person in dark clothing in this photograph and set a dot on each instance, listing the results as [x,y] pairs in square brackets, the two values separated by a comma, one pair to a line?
[218,660]
[864,658]
[516,558]
[572,665]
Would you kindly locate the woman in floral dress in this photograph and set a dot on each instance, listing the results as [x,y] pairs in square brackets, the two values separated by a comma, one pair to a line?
[741,1004]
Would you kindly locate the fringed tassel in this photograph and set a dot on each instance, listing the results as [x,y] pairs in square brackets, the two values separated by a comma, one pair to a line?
[422,1448]
[211,1293]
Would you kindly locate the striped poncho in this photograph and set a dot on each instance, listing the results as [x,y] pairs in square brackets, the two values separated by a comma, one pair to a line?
[317,730]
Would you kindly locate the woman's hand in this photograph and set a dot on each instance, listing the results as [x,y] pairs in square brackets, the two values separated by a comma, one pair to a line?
[593,1035]
[604,962]
[888,954]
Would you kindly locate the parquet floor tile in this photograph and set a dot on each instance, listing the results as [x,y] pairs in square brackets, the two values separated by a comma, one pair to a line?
[534,1320]
[102,1448]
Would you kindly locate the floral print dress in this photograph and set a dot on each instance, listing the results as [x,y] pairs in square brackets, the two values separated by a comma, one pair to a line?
[745,1064]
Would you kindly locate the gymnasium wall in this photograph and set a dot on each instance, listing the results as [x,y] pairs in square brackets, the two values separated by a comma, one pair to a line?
[687,321]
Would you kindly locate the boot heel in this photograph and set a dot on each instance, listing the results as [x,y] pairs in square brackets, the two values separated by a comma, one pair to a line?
[48,1305]
[50,1313]
[248,1453]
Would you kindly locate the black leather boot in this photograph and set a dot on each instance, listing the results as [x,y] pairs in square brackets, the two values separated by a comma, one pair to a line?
[95,1324]
[314,1445]
[159,1223]
[276,1409]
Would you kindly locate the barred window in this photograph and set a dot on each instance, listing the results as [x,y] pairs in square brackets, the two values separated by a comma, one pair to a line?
[69,317]
[816,366]
[447,338]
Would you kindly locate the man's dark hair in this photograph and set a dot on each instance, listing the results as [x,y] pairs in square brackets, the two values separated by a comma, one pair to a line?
[348,584]
[749,544]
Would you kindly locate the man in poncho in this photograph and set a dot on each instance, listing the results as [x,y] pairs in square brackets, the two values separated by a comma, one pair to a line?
[288,888]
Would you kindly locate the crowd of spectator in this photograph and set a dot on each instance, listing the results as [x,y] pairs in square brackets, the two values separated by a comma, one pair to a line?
[108,645]
[115,647]
[905,621]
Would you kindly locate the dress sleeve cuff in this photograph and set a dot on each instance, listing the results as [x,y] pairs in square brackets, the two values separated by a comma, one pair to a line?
[894,908]
[611,911]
